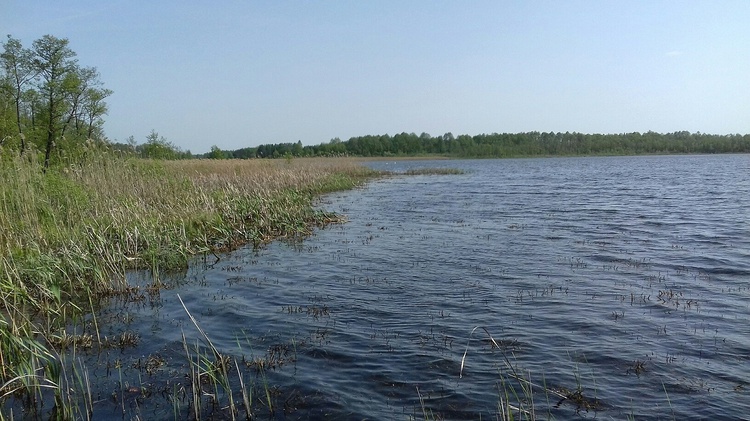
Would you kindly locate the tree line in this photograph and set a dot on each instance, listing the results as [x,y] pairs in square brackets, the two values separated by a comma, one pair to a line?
[155,147]
[503,145]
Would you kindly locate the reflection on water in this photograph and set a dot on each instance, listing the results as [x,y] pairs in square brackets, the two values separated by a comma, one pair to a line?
[626,278]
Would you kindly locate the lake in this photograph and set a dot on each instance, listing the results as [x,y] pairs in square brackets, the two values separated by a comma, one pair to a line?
[620,283]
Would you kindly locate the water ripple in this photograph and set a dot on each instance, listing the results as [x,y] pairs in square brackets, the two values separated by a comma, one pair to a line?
[623,278]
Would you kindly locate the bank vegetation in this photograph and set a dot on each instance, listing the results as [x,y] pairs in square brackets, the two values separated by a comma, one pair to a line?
[69,235]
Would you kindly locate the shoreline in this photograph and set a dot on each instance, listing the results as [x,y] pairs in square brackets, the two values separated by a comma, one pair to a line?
[70,235]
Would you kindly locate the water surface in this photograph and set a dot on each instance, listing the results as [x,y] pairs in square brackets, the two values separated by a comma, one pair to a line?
[625,278]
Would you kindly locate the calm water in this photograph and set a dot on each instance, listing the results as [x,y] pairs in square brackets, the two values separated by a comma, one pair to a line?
[625,277]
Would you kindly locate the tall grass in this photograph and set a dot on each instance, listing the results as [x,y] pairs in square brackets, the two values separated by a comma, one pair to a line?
[68,236]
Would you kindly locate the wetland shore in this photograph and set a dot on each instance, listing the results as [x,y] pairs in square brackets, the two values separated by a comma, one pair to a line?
[69,236]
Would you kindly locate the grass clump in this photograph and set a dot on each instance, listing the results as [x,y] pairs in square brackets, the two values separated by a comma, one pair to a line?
[68,236]
[518,395]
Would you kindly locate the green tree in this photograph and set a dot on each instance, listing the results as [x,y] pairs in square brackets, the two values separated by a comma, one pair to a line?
[244,153]
[216,153]
[157,147]
[93,108]
[19,72]
[51,98]
[297,148]
[84,96]
[54,61]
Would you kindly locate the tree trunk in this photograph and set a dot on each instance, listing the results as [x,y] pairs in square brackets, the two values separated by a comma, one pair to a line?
[50,133]
[18,121]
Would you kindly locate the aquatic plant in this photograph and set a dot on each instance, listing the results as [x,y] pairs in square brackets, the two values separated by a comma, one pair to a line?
[517,390]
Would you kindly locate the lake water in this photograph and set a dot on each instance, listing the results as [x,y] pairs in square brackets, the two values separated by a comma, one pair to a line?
[625,278]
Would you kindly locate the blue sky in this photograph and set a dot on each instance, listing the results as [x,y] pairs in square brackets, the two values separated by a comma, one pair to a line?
[241,73]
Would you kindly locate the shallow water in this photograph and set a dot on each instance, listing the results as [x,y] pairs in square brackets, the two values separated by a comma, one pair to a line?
[626,277]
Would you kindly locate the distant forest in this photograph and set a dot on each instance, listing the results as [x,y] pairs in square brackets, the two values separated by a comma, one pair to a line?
[503,145]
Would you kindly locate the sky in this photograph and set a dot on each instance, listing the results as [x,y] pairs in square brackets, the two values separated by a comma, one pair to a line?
[238,74]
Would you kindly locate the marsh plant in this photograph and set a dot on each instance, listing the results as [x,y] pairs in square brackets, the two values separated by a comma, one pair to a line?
[69,234]
[520,397]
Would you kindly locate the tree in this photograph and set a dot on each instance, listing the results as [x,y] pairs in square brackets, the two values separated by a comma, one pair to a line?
[297,148]
[216,153]
[93,108]
[54,62]
[244,153]
[81,89]
[46,97]
[19,72]
[33,104]
[157,147]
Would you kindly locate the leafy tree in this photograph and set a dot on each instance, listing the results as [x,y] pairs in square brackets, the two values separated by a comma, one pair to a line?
[54,61]
[19,72]
[216,153]
[297,149]
[84,100]
[244,153]
[93,108]
[56,104]
[157,147]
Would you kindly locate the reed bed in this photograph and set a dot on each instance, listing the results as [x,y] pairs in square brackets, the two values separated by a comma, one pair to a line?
[68,236]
